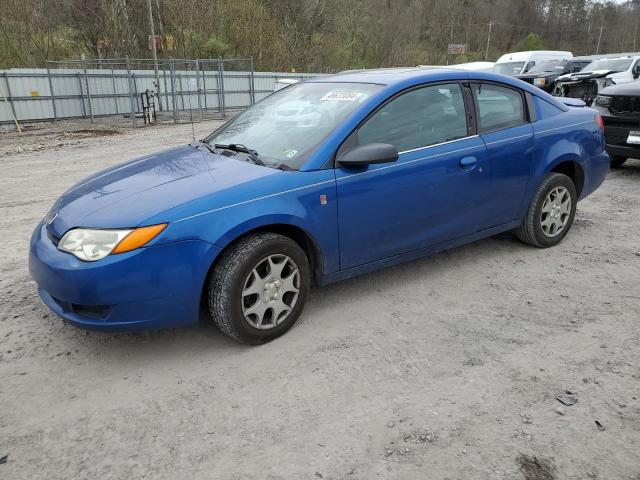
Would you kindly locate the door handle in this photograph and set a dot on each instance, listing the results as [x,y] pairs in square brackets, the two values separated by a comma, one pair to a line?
[468,163]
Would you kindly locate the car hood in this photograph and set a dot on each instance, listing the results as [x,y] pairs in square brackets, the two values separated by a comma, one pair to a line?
[536,75]
[572,77]
[126,195]
[631,89]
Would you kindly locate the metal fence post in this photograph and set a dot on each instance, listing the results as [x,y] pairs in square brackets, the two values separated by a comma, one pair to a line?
[9,99]
[81,97]
[132,100]
[52,94]
[198,88]
[86,81]
[115,90]
[174,102]
[221,86]
[252,87]
[166,90]
[181,90]
[204,85]
[135,91]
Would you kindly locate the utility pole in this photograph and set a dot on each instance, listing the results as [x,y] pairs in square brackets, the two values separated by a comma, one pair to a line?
[599,38]
[486,52]
[155,53]
[635,33]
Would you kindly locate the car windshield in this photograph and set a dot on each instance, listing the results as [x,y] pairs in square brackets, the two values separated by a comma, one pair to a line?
[550,66]
[508,68]
[615,64]
[285,127]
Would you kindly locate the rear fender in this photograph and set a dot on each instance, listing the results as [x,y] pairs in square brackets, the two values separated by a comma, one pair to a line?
[548,158]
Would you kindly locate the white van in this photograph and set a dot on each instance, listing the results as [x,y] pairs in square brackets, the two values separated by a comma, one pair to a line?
[518,63]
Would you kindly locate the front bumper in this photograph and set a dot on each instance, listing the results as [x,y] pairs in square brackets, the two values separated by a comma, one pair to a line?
[616,132]
[148,288]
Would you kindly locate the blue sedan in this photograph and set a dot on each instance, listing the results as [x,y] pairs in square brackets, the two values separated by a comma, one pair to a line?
[319,182]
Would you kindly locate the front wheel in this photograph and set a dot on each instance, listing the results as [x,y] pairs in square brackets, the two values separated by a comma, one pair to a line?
[617,161]
[550,213]
[259,287]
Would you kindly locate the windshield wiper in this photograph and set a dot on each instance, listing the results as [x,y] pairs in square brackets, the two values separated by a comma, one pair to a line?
[206,145]
[251,154]
[238,147]
[285,167]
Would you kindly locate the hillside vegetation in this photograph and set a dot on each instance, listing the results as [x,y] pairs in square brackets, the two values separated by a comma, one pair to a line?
[314,35]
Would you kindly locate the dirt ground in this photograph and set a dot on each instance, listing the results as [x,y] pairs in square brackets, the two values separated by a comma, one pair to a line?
[444,368]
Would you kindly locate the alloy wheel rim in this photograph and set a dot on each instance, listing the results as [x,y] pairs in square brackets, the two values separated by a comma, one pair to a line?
[270,291]
[556,210]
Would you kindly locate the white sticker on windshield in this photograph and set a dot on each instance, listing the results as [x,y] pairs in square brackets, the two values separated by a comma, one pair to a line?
[290,152]
[341,96]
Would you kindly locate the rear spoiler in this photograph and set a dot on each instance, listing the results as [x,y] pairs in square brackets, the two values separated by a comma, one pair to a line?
[571,102]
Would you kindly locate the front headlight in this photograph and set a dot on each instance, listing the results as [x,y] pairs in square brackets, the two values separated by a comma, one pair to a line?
[540,82]
[91,244]
[602,101]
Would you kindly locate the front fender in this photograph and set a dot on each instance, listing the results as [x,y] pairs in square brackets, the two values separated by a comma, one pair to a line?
[256,223]
[293,205]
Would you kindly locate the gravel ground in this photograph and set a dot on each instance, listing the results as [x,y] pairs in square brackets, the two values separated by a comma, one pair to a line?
[444,368]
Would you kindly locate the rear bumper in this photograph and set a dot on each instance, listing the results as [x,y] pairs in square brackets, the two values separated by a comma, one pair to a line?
[149,288]
[598,167]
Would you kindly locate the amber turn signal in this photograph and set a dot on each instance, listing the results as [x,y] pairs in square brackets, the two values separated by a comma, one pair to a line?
[139,237]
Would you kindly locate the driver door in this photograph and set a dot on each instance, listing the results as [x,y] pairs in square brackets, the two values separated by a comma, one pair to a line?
[433,193]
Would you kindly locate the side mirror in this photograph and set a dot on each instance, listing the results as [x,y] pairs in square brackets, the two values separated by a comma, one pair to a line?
[636,71]
[368,155]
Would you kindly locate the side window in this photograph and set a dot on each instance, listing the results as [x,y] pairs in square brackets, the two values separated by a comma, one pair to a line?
[498,107]
[416,119]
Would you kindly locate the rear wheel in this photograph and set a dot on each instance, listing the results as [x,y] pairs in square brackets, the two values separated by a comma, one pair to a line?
[550,213]
[259,287]
[617,161]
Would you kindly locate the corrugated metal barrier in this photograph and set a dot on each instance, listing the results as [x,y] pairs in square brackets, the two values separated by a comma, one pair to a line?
[188,89]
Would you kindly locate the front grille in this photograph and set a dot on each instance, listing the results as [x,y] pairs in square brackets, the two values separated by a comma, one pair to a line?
[585,90]
[622,105]
[91,311]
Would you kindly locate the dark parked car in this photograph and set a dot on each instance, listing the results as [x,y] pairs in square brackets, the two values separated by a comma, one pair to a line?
[619,106]
[544,74]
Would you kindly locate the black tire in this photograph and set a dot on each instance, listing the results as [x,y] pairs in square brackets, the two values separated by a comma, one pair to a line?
[227,282]
[617,161]
[530,231]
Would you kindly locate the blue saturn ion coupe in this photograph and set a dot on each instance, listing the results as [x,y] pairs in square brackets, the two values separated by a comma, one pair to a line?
[321,181]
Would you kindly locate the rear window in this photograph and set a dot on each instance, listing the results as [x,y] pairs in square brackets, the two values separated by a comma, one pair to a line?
[498,107]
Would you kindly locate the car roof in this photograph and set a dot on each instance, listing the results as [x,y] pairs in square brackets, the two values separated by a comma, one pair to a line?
[533,54]
[416,75]
[391,76]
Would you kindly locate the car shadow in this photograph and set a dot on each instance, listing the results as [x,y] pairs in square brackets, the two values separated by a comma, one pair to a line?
[205,340]
[630,168]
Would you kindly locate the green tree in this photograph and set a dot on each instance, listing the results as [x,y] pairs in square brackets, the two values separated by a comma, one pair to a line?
[531,42]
